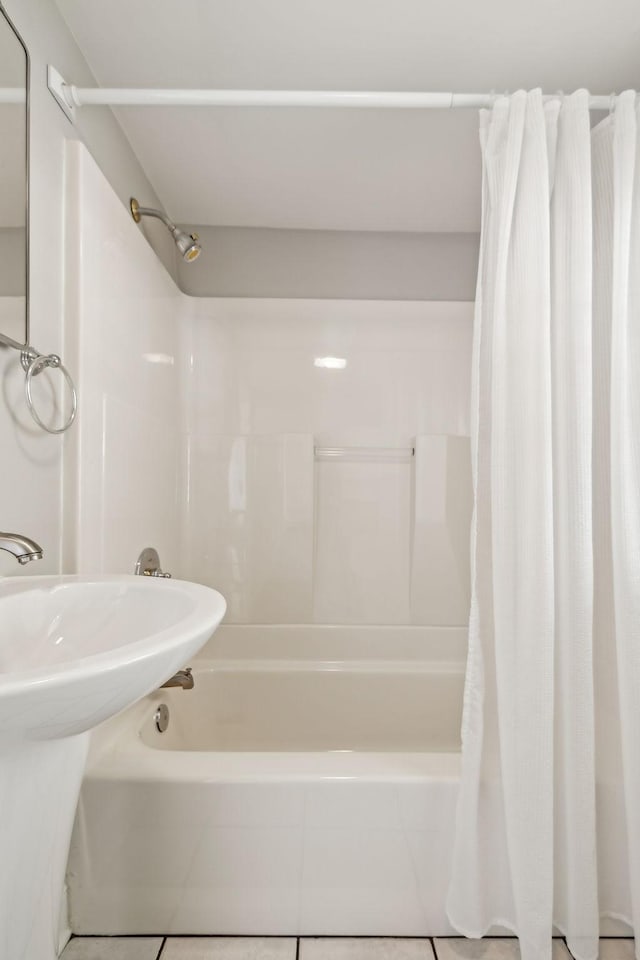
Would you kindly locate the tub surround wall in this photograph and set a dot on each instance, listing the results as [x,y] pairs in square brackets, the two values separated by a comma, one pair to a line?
[124,456]
[291,538]
[250,505]
[199,420]
[440,573]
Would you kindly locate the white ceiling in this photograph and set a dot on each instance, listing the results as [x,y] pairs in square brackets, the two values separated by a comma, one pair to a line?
[332,169]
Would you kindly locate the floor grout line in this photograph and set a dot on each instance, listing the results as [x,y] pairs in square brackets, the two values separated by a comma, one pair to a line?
[298,939]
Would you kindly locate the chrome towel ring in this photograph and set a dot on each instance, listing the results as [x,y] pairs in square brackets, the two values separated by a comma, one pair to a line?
[34,363]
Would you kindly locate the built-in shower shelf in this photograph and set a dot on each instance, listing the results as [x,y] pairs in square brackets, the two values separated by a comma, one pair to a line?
[366,454]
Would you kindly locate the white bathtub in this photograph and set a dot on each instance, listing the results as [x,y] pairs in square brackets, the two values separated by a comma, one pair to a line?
[307,785]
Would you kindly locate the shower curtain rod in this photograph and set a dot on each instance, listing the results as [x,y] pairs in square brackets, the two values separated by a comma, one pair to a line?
[69,97]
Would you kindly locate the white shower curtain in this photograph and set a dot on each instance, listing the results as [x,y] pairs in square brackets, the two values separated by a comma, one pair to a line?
[548,828]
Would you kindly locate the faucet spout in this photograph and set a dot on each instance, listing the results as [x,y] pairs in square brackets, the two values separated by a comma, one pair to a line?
[22,548]
[183,678]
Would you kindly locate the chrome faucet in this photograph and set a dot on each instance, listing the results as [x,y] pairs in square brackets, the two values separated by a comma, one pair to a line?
[148,564]
[183,678]
[21,547]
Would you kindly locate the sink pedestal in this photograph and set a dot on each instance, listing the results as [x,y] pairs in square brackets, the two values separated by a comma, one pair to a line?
[39,788]
[74,651]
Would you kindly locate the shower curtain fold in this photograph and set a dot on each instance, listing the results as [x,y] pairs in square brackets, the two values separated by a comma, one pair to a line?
[625,463]
[556,529]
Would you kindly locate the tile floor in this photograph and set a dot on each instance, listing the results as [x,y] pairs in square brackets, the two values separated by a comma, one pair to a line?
[317,948]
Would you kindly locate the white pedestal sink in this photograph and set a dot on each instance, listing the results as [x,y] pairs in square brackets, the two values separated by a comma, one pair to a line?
[73,651]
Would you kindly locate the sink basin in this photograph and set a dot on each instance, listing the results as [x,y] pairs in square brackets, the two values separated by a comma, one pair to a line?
[74,651]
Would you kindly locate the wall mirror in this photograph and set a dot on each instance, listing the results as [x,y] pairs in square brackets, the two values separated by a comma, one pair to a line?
[14,229]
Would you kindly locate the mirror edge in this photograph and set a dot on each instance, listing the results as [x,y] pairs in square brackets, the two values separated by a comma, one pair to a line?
[4,340]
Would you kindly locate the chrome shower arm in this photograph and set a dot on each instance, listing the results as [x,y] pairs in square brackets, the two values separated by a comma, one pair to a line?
[137,212]
[187,243]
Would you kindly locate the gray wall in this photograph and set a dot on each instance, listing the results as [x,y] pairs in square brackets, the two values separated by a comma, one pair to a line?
[242,262]
[12,268]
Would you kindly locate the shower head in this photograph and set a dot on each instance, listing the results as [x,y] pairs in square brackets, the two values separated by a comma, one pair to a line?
[187,243]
